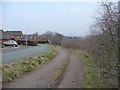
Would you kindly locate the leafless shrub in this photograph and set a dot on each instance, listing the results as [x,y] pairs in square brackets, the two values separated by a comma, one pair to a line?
[71,43]
[102,44]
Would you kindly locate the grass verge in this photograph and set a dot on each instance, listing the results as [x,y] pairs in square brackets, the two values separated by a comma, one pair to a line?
[14,70]
[91,78]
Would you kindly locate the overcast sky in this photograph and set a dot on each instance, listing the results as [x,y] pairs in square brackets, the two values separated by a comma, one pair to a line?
[68,18]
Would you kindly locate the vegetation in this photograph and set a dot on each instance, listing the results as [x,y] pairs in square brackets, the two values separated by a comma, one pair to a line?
[14,70]
[102,44]
[32,43]
[54,38]
[91,78]
[73,43]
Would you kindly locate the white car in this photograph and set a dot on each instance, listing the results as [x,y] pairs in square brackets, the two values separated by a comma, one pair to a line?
[10,43]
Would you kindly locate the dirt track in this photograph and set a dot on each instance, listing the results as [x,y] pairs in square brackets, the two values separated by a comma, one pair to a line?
[73,76]
[41,77]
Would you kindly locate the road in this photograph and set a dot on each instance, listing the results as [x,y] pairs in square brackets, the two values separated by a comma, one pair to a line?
[42,76]
[10,48]
[10,55]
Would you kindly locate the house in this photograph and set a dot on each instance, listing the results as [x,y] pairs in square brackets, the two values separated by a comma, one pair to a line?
[10,35]
[14,35]
[22,38]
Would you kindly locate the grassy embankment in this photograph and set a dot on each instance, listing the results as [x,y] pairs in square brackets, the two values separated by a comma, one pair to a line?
[15,70]
[91,77]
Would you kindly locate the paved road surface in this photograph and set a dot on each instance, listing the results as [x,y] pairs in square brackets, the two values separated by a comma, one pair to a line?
[12,54]
[10,49]
[40,78]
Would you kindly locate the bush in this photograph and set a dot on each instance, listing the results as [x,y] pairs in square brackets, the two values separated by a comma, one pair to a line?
[32,43]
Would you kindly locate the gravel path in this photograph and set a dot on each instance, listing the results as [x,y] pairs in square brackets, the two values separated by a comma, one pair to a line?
[73,76]
[39,78]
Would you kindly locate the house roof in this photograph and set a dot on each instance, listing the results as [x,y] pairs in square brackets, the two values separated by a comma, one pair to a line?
[6,34]
[14,32]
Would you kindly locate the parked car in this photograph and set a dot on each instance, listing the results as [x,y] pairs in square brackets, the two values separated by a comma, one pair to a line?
[10,43]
